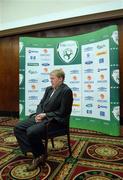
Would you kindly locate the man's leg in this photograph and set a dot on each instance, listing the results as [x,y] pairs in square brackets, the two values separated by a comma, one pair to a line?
[35,133]
[20,131]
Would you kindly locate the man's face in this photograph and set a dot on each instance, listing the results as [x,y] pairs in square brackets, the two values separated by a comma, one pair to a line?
[55,81]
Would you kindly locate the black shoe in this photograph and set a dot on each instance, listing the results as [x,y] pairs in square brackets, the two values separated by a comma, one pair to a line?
[36,162]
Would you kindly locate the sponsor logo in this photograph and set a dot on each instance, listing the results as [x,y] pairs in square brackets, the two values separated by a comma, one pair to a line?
[101,60]
[101,53]
[33,81]
[32,91]
[88,55]
[88,90]
[74,82]
[76,99]
[45,50]
[33,57]
[102,89]
[102,113]
[45,70]
[32,64]
[89,97]
[89,105]
[102,106]
[32,51]
[74,71]
[89,71]
[44,73]
[86,82]
[102,96]
[74,95]
[102,77]
[100,81]
[75,89]
[100,100]
[33,97]
[89,111]
[33,86]
[45,80]
[89,62]
[89,78]
[89,86]
[74,78]
[76,105]
[45,64]
[32,72]
[88,49]
[102,69]
[100,46]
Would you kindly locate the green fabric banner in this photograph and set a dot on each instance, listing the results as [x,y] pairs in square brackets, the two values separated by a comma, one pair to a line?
[90,62]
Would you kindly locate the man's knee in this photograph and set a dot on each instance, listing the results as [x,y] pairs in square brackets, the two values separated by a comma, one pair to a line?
[17,128]
[30,133]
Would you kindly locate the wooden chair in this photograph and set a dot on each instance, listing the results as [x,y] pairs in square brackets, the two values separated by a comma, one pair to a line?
[62,132]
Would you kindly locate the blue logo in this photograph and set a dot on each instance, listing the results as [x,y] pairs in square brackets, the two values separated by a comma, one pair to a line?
[89,98]
[74,72]
[102,113]
[89,111]
[75,89]
[89,105]
[88,49]
[88,71]
[101,106]
[45,80]
[33,81]
[88,62]
[33,97]
[45,64]
[101,60]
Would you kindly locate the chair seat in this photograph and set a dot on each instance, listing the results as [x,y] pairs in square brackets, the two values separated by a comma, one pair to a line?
[53,134]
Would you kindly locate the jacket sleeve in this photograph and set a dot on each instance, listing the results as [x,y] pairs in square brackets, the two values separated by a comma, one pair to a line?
[65,107]
[40,105]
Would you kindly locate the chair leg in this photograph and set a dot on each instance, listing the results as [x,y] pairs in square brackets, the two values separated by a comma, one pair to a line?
[46,148]
[68,138]
[52,142]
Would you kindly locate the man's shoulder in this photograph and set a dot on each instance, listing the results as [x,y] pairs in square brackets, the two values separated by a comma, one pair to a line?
[48,88]
[66,87]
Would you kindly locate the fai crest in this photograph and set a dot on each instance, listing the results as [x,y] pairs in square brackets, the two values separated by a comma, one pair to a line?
[115,75]
[67,50]
[21,77]
[115,37]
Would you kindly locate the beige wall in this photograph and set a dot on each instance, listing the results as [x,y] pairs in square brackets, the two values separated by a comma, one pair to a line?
[17,13]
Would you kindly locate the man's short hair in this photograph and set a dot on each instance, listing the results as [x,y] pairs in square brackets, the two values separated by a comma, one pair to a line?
[59,73]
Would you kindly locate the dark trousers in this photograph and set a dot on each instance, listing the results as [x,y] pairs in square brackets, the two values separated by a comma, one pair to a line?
[29,135]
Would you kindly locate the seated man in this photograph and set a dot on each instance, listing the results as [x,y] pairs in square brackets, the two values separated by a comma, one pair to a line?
[56,105]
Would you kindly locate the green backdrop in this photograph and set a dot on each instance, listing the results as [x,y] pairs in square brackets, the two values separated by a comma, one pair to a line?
[90,62]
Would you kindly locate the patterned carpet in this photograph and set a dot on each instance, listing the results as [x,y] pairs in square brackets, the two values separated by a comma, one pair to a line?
[94,157]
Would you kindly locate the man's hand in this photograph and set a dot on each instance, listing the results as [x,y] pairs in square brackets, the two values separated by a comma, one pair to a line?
[40,117]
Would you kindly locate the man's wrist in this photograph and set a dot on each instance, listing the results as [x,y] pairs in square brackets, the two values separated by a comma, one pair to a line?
[44,114]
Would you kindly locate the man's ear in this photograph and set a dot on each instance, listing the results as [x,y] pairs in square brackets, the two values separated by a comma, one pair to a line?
[61,79]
